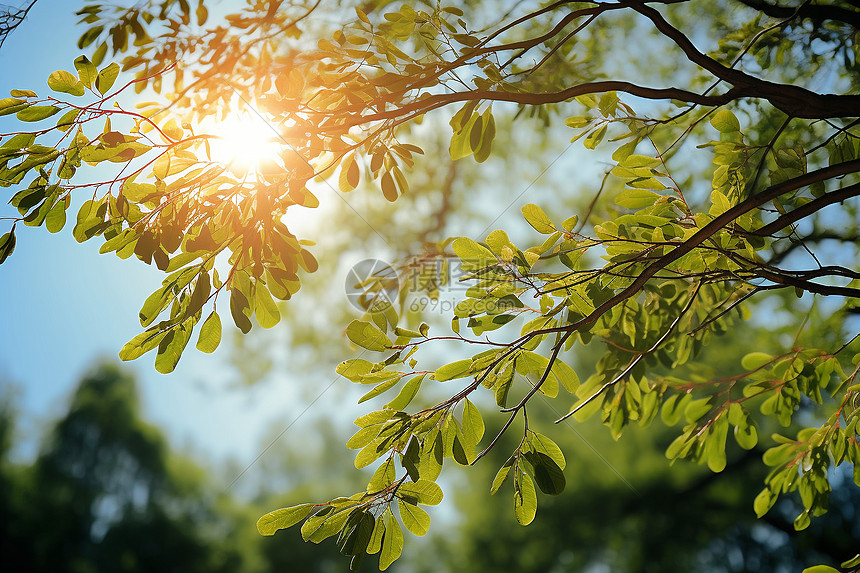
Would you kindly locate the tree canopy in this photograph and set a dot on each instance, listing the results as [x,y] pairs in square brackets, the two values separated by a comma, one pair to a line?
[729,136]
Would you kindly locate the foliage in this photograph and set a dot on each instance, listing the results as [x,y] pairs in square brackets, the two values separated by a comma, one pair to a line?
[105,494]
[680,256]
[119,499]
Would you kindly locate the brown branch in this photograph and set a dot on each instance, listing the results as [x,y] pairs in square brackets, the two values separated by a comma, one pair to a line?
[11,18]
[818,13]
[793,100]
[808,209]
[825,290]
[436,101]
[813,237]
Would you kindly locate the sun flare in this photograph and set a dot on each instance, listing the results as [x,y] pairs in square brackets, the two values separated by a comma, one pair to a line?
[243,142]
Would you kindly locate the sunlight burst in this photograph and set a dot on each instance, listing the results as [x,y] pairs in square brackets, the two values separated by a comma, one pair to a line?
[243,142]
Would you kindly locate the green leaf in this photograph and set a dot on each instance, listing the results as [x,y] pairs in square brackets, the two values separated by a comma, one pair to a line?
[501,476]
[544,445]
[407,393]
[141,344]
[56,218]
[238,304]
[746,436]
[37,112]
[673,408]
[458,451]
[10,103]
[383,477]
[696,409]
[210,334]
[488,134]
[476,130]
[425,491]
[637,198]
[283,518]
[171,347]
[374,418]
[392,541]
[265,308]
[755,360]
[357,537]
[535,217]
[549,477]
[7,245]
[154,304]
[725,121]
[368,454]
[107,77]
[362,437]
[380,388]
[715,448]
[566,375]
[595,137]
[432,455]
[569,223]
[324,524]
[458,369]
[763,502]
[65,82]
[460,146]
[415,519]
[375,545]
[410,459]
[525,500]
[473,424]
[820,569]
[354,368]
[87,72]
[367,336]
[470,252]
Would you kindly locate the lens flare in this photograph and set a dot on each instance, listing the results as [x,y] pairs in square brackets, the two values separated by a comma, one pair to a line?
[243,142]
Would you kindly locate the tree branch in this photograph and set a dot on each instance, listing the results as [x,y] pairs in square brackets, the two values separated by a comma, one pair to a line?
[818,13]
[808,209]
[793,100]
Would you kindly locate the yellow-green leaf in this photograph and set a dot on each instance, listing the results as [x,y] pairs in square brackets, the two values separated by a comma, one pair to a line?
[415,519]
[107,77]
[210,334]
[367,336]
[283,518]
[535,217]
[392,541]
[65,82]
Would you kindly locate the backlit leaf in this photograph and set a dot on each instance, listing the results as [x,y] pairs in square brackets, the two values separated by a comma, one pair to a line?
[106,78]
[283,518]
[415,519]
[65,82]
[210,334]
[525,500]
[535,217]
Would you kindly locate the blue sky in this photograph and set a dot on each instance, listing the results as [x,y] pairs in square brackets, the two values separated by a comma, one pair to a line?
[63,306]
